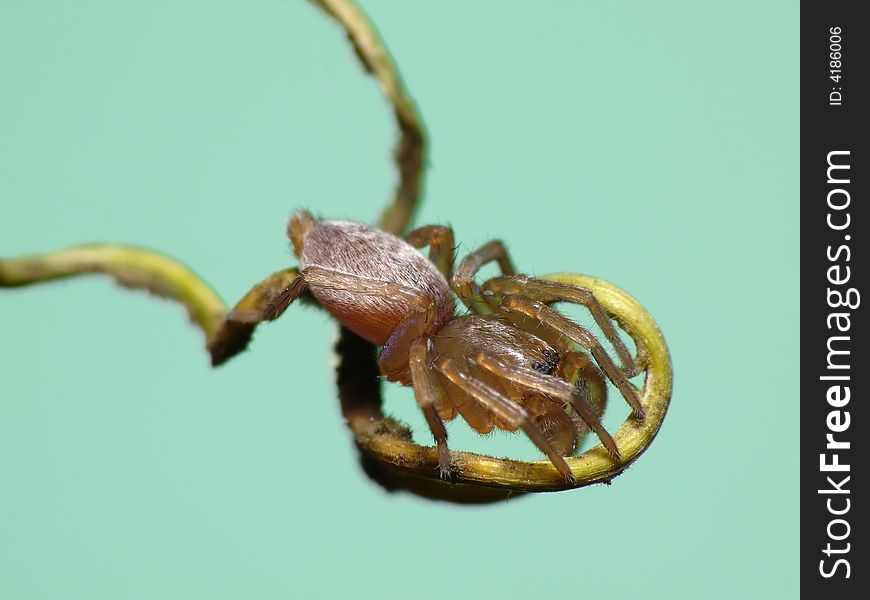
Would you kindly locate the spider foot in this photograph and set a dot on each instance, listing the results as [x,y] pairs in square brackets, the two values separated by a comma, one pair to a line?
[444,463]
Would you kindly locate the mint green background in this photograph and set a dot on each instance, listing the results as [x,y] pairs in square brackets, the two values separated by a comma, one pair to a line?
[655,144]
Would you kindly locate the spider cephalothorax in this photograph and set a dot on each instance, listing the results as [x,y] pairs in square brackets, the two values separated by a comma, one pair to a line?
[512,362]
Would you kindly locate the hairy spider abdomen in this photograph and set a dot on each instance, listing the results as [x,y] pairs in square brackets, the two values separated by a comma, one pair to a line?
[377,256]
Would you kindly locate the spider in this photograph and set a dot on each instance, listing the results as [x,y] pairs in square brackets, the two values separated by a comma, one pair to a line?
[511,362]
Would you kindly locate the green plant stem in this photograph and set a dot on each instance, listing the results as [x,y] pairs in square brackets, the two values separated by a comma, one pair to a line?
[131,267]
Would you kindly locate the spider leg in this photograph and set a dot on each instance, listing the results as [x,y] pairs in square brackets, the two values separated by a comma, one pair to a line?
[366,286]
[553,387]
[463,277]
[522,306]
[580,370]
[441,246]
[268,300]
[272,309]
[277,307]
[551,291]
[233,334]
[298,227]
[503,408]
[424,392]
[393,359]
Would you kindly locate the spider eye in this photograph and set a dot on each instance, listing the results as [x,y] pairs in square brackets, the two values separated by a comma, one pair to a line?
[549,364]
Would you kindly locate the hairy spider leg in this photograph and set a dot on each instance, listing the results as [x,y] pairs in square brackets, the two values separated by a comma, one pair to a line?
[424,392]
[550,386]
[580,370]
[519,309]
[503,408]
[233,334]
[275,307]
[442,248]
[325,278]
[463,277]
[298,227]
[547,412]
[393,359]
[551,291]
[267,300]
[421,307]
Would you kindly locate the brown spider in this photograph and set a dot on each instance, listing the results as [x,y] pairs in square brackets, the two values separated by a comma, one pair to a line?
[511,363]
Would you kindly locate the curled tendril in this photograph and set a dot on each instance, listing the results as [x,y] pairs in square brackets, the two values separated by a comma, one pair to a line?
[384,439]
[390,442]
[388,451]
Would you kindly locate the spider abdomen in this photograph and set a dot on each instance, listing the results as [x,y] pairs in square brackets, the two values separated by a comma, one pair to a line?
[366,252]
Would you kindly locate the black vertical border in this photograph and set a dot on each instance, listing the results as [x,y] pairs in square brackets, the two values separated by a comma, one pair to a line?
[826,128]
